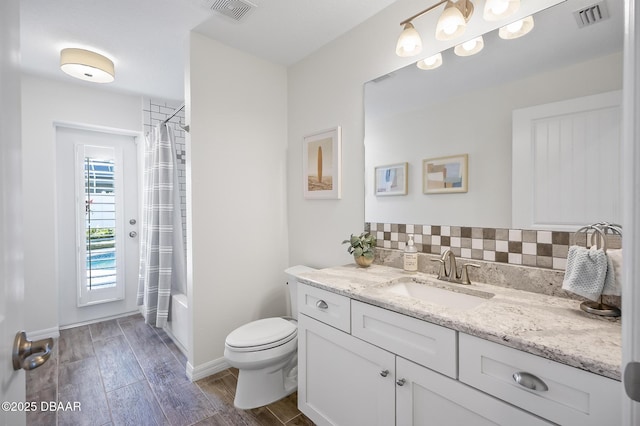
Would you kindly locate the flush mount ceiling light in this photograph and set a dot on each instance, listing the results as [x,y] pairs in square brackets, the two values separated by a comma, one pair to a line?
[495,10]
[430,63]
[516,29]
[469,47]
[87,65]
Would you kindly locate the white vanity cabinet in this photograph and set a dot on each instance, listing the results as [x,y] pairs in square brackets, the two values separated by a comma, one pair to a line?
[343,380]
[560,393]
[361,379]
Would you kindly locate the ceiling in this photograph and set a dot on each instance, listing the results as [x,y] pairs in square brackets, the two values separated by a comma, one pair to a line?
[148,39]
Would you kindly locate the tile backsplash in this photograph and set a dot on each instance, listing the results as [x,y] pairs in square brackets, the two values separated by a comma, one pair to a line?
[543,249]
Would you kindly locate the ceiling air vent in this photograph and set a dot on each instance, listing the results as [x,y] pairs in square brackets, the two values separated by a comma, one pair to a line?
[234,9]
[592,14]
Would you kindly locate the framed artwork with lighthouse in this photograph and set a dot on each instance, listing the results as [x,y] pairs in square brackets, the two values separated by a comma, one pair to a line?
[322,164]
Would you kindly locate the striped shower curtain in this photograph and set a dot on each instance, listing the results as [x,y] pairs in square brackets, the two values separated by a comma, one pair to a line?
[156,245]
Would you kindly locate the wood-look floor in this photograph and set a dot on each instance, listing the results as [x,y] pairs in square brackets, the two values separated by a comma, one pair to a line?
[124,372]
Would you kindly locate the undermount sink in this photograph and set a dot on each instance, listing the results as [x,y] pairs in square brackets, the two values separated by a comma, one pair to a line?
[448,295]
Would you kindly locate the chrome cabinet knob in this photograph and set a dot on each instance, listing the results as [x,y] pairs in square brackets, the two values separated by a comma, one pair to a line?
[384,373]
[133,234]
[401,382]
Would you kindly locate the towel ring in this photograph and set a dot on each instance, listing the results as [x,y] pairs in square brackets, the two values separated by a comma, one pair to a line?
[598,236]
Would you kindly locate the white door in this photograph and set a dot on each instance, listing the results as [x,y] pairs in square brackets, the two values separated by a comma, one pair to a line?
[631,213]
[97,223]
[12,383]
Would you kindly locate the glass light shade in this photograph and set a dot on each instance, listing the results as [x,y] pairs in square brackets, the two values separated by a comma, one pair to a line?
[469,47]
[516,29]
[451,23]
[495,10]
[409,42]
[430,63]
[87,65]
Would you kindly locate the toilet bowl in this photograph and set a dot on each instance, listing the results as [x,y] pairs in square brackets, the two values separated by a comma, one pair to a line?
[265,354]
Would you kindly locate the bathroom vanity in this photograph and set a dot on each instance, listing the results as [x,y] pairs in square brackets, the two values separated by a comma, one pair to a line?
[378,346]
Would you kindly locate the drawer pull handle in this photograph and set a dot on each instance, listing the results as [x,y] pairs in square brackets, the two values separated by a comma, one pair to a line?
[530,381]
[321,304]
[384,373]
[400,382]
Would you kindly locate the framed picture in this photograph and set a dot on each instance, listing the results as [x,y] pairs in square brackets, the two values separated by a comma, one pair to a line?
[391,179]
[445,174]
[322,164]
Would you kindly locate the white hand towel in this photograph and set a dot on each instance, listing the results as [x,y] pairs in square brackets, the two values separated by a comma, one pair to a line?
[613,281]
[586,272]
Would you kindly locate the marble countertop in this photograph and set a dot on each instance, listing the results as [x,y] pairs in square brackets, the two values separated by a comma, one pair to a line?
[551,327]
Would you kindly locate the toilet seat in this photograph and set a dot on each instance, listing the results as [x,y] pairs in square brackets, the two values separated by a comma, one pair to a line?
[261,335]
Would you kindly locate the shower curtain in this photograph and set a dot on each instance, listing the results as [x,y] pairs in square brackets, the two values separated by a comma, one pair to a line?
[162,257]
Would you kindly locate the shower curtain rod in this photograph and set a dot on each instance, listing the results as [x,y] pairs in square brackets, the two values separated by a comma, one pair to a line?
[180,108]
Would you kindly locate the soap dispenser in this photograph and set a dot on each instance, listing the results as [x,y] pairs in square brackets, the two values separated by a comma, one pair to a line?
[410,256]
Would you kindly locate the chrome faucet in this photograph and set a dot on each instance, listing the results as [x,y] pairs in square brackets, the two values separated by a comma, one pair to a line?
[451,273]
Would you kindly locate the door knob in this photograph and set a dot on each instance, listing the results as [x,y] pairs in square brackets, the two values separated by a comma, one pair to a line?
[28,354]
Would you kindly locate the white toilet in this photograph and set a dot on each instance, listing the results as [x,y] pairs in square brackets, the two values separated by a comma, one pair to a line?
[265,353]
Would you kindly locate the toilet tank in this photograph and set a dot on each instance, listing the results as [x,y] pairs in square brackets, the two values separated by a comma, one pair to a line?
[292,282]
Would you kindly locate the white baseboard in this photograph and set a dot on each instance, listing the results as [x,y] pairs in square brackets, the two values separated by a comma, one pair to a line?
[207,369]
[53,332]
[93,321]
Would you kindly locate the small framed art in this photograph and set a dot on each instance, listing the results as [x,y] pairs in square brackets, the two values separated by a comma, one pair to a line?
[391,179]
[322,164]
[445,174]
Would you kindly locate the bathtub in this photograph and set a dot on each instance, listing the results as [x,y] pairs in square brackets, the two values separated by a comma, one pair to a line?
[178,328]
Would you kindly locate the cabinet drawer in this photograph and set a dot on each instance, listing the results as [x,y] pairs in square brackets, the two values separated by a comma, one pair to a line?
[325,306]
[573,397]
[419,341]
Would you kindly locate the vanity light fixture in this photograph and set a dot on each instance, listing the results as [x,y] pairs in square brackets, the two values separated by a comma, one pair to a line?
[430,63]
[409,43]
[469,47]
[495,10]
[453,21]
[516,29]
[87,65]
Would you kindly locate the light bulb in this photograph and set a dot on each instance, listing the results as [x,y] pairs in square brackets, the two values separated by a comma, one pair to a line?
[469,45]
[499,7]
[515,26]
[449,27]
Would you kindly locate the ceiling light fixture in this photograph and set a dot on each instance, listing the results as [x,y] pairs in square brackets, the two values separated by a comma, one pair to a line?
[516,29]
[87,65]
[495,10]
[469,47]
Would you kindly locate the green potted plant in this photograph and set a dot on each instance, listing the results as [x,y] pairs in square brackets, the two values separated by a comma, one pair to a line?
[362,247]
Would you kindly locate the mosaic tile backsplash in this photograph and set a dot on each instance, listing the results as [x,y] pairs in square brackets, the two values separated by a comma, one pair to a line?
[543,249]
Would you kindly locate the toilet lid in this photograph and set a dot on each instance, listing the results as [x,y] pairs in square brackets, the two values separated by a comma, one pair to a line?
[261,332]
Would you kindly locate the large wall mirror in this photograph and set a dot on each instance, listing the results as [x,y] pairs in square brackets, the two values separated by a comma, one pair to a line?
[466,106]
